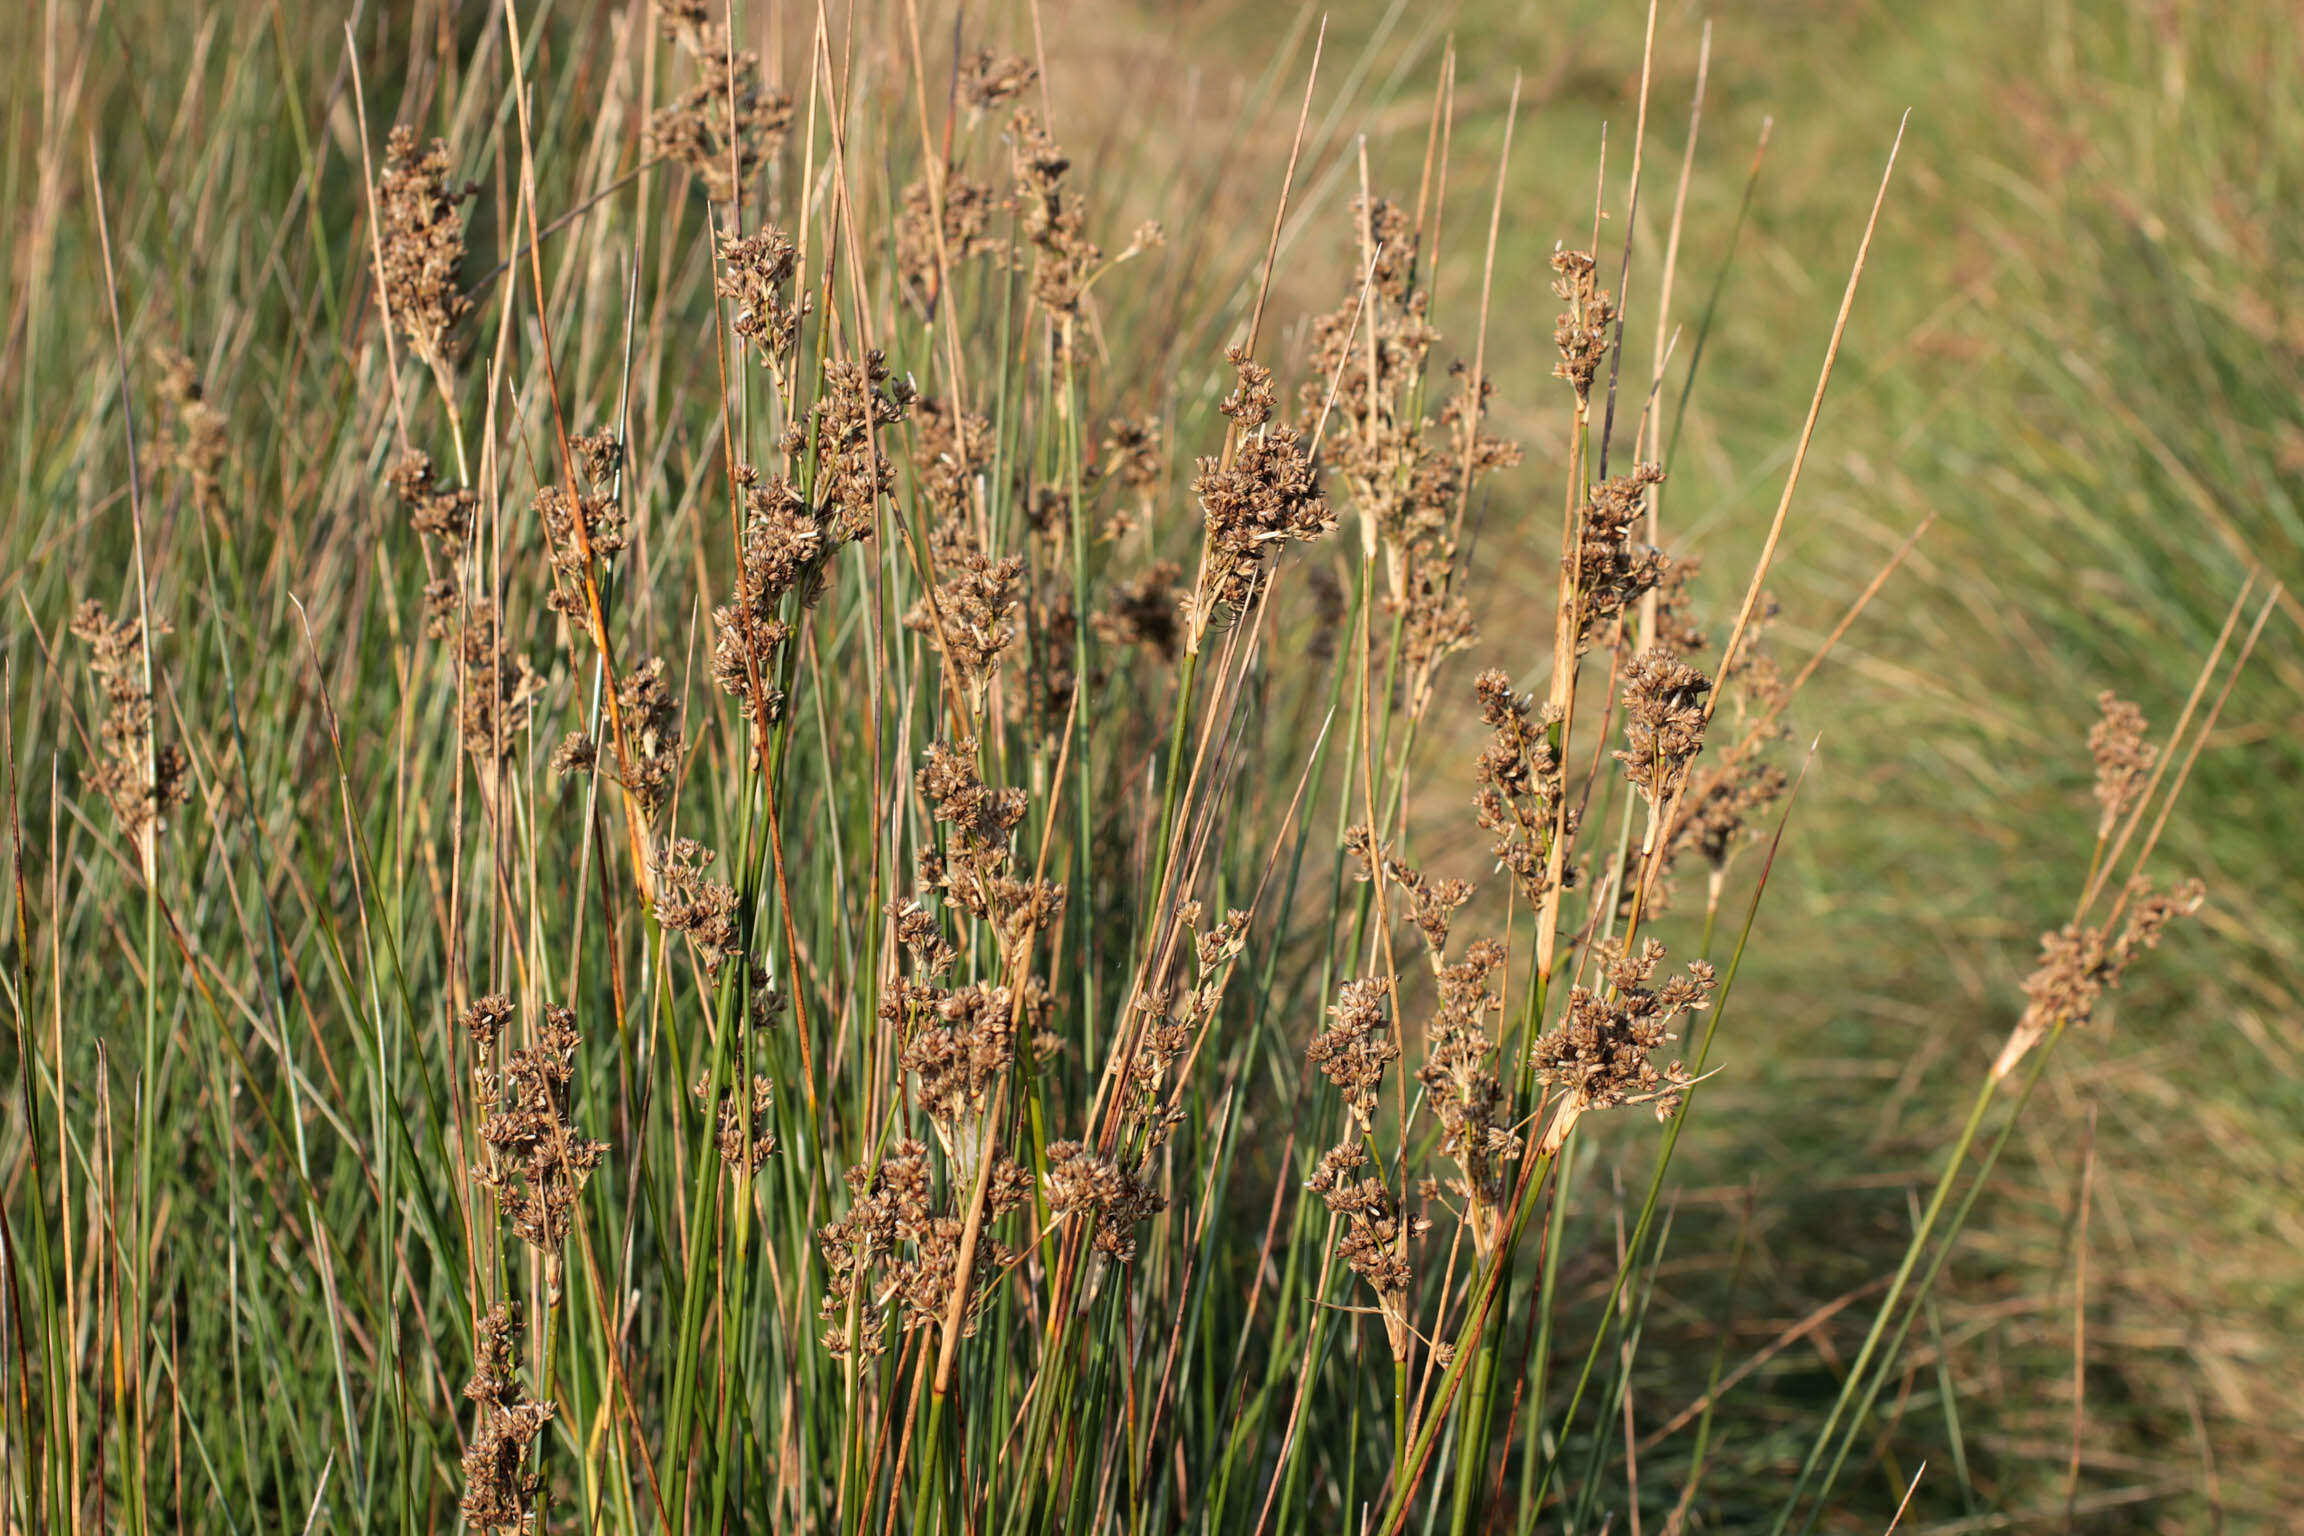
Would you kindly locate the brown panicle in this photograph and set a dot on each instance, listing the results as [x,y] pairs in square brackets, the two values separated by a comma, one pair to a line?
[421,244]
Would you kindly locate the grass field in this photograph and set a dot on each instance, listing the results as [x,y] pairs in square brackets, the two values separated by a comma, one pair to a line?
[846,779]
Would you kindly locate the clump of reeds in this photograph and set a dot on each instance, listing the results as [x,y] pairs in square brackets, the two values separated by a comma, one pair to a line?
[1084,937]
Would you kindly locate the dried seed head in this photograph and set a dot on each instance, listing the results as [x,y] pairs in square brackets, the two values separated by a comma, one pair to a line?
[1460,1083]
[730,122]
[1677,632]
[583,529]
[859,399]
[987,82]
[951,450]
[650,759]
[1356,1047]
[2123,758]
[1612,569]
[1266,495]
[1721,808]
[743,1136]
[1064,258]
[1375,1236]
[973,618]
[421,240]
[785,545]
[1252,399]
[921,262]
[973,870]
[688,903]
[756,275]
[1599,1055]
[143,782]
[1142,611]
[1663,724]
[1582,334]
[577,753]
[500,688]
[895,1254]
[485,1019]
[959,1045]
[533,1159]
[499,1487]
[1519,777]
[1111,1196]
[599,457]
[436,510]
[2078,965]
[1131,453]
[199,448]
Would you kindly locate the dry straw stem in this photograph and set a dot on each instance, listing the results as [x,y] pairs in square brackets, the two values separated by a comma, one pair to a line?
[1729,653]
[639,841]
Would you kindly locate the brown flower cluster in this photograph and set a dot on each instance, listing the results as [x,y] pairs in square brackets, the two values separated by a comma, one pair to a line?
[1407,476]
[499,1488]
[442,516]
[1664,722]
[743,1135]
[1172,1023]
[730,122]
[1599,1055]
[922,257]
[2079,964]
[972,872]
[896,1254]
[439,512]
[421,244]
[1582,334]
[1519,776]
[650,761]
[1356,1047]
[951,450]
[756,274]
[973,617]
[1265,494]
[2123,758]
[1132,454]
[199,448]
[1677,632]
[1064,258]
[1141,611]
[1375,1238]
[1721,808]
[689,903]
[958,1044]
[859,399]
[988,80]
[1113,1196]
[1473,1107]
[1367,369]
[785,544]
[1437,622]
[535,1162]
[583,527]
[2083,960]
[143,782]
[499,690]
[1612,568]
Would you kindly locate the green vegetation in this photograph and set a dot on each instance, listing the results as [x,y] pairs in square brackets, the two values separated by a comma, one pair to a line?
[710,827]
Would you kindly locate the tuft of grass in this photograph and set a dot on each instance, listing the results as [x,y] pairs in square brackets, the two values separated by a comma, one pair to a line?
[790,823]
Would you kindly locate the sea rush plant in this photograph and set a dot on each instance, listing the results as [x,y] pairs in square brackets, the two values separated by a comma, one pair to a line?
[915,1120]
